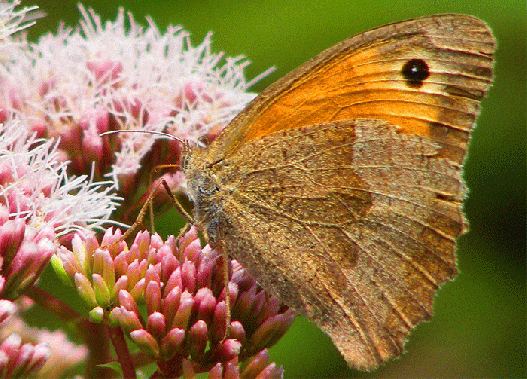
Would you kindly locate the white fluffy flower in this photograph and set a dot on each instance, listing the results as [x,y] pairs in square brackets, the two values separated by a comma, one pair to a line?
[34,185]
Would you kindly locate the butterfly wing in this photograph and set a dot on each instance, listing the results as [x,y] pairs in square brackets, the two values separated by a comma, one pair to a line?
[351,223]
[339,187]
[364,77]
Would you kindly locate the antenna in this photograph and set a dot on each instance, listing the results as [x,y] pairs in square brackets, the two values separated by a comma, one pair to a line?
[166,135]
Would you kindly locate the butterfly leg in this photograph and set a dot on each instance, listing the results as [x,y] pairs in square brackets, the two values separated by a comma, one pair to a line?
[220,246]
[149,204]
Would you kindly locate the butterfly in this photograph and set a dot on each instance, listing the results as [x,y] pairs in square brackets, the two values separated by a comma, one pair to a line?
[340,186]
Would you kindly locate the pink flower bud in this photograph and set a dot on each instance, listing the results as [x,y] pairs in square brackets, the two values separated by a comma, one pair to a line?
[7,308]
[121,284]
[127,301]
[156,325]
[219,319]
[173,343]
[198,339]
[85,290]
[129,320]
[257,364]
[139,289]
[237,331]
[11,237]
[182,316]
[146,342]
[216,372]
[231,371]
[103,265]
[102,293]
[205,302]
[227,350]
[153,297]
[171,304]
[188,276]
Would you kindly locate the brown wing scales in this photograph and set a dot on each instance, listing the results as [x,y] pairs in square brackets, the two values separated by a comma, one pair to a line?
[347,240]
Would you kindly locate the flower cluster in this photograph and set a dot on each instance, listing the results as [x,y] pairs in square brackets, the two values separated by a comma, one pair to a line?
[39,203]
[18,360]
[62,179]
[121,76]
[35,186]
[24,253]
[182,287]
[40,206]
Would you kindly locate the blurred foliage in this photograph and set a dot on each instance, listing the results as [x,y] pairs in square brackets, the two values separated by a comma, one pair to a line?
[479,329]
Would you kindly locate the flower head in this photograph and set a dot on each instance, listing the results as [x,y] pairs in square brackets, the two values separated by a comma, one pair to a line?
[121,76]
[39,204]
[35,186]
[181,284]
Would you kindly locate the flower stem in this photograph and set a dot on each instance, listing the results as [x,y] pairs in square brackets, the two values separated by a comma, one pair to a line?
[53,304]
[123,354]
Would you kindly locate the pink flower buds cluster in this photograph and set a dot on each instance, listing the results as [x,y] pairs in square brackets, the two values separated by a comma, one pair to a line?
[24,350]
[18,360]
[182,286]
[24,253]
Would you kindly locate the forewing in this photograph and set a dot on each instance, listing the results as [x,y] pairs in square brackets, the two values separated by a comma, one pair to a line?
[362,77]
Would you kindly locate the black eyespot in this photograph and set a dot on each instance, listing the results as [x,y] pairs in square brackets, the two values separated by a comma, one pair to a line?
[415,71]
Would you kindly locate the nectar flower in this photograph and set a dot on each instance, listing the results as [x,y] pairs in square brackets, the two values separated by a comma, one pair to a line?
[35,187]
[121,76]
[181,284]
[40,205]
[168,296]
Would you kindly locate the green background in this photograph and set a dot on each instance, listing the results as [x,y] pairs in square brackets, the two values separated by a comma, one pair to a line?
[479,328]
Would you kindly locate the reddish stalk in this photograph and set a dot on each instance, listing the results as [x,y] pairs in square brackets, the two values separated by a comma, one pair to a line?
[123,354]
